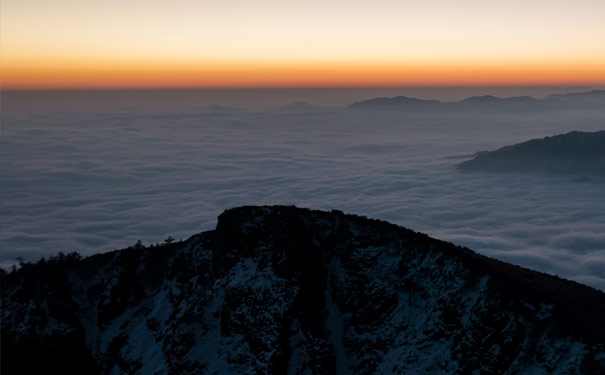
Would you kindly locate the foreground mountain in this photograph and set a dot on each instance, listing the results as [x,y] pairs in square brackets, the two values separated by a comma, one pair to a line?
[281,290]
[592,100]
[574,152]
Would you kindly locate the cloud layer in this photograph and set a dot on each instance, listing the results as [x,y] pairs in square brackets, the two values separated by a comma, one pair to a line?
[94,181]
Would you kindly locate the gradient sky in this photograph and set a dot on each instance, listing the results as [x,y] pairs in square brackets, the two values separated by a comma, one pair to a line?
[187,43]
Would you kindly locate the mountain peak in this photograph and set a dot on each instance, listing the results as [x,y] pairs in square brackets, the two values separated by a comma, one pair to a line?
[279,289]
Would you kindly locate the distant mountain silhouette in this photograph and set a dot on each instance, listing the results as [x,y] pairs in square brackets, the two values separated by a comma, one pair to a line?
[298,105]
[492,102]
[595,95]
[586,100]
[574,152]
[399,102]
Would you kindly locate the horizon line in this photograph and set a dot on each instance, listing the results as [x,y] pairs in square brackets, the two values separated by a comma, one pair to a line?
[294,87]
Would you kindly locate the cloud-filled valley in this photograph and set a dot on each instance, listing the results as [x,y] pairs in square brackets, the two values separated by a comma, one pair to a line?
[95,180]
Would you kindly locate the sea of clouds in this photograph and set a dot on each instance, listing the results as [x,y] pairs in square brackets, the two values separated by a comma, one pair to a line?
[90,178]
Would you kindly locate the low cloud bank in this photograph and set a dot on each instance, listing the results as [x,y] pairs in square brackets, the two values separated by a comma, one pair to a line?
[96,181]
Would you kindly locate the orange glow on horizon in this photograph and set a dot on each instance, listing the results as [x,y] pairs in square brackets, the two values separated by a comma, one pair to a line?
[80,44]
[28,75]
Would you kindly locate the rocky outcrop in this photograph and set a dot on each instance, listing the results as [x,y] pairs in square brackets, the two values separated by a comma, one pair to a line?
[284,290]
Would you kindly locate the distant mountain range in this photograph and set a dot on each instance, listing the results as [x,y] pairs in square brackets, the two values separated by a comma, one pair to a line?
[574,152]
[586,100]
[282,290]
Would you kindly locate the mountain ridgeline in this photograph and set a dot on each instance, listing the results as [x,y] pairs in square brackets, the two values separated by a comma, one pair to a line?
[592,100]
[574,152]
[283,290]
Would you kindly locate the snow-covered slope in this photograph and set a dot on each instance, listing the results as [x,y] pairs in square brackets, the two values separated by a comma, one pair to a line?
[284,290]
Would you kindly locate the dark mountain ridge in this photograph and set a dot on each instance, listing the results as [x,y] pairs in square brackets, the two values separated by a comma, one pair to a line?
[288,290]
[573,101]
[400,102]
[573,152]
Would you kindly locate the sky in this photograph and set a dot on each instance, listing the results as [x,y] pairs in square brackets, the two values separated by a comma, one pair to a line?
[269,43]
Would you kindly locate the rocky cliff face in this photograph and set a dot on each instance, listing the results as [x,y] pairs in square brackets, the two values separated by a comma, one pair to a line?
[291,291]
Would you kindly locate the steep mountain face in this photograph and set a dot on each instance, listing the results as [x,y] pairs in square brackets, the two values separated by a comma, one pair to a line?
[574,152]
[284,290]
